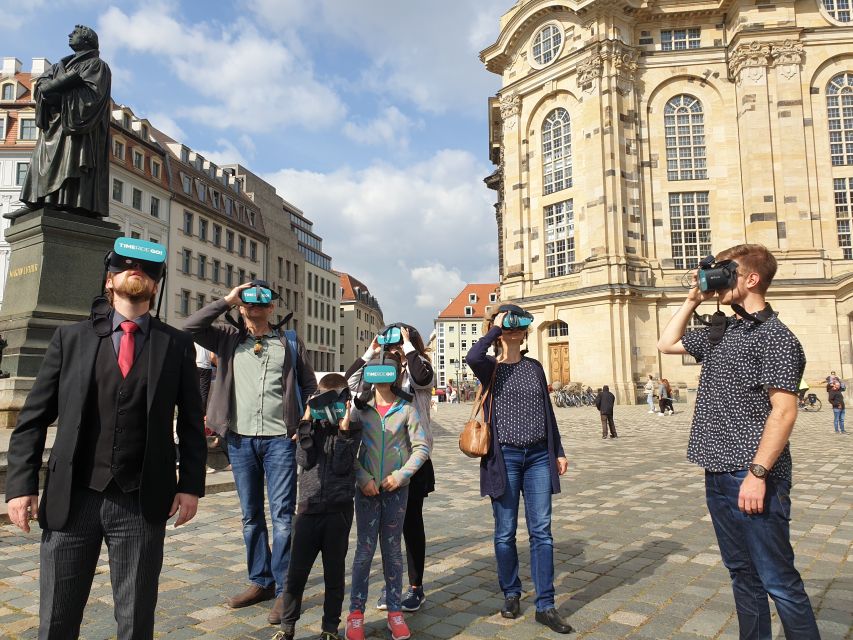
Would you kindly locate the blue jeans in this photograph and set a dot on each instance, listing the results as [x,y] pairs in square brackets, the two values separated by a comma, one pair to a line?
[650,400]
[756,550]
[528,472]
[379,517]
[254,459]
[838,419]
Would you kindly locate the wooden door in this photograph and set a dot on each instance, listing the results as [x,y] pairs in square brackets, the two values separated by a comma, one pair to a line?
[559,363]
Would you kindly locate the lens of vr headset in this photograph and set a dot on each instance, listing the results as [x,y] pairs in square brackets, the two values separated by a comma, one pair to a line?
[118,263]
[514,321]
[390,336]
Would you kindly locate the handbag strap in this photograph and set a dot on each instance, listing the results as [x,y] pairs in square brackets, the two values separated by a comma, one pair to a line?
[480,398]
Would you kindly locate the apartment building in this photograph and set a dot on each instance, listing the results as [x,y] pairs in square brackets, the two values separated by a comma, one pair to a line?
[361,319]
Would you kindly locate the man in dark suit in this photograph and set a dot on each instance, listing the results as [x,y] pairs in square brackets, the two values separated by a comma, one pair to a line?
[114,382]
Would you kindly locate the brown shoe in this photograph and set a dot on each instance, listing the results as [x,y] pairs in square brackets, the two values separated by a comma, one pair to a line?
[253,595]
[277,610]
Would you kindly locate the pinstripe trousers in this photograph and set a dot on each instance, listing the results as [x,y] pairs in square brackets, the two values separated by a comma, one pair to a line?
[68,559]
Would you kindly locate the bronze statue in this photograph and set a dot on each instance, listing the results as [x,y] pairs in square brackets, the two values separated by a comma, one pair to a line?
[69,169]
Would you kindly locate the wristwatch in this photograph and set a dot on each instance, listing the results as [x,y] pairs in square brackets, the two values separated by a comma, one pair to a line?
[757,470]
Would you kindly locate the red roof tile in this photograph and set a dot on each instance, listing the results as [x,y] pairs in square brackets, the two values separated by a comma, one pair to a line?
[456,308]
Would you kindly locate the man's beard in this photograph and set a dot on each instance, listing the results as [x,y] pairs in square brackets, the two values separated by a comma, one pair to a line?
[134,289]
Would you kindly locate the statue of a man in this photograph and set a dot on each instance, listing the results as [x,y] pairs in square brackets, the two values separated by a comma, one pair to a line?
[69,169]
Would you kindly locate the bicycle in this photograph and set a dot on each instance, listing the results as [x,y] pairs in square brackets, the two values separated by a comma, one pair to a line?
[811,403]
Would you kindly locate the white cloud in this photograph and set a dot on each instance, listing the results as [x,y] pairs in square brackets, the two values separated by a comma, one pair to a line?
[248,82]
[390,128]
[436,285]
[226,153]
[423,52]
[415,232]
[166,124]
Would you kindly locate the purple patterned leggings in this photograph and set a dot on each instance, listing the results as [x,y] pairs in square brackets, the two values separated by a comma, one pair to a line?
[379,517]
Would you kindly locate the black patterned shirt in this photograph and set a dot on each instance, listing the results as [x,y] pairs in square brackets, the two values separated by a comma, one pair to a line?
[519,409]
[733,401]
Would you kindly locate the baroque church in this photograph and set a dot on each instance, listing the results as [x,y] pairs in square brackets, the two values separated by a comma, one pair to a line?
[632,138]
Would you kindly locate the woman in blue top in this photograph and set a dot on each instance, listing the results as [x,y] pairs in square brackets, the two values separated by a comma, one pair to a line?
[525,457]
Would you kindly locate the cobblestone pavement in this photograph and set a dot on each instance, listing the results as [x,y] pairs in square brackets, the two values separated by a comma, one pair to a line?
[634,549]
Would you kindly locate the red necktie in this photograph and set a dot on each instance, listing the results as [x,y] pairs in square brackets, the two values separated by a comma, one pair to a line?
[127,347]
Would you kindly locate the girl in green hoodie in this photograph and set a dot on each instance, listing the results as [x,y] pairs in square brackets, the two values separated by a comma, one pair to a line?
[394,446]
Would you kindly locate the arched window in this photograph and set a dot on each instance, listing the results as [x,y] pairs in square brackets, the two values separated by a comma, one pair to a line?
[838,9]
[8,92]
[558,329]
[684,126]
[839,107]
[548,42]
[557,151]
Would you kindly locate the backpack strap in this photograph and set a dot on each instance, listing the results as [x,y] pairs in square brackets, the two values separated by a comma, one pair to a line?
[293,345]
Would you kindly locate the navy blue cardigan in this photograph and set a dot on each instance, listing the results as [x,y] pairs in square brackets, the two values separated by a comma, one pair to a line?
[492,467]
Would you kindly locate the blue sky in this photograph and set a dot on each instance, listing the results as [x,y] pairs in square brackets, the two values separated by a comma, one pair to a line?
[369,115]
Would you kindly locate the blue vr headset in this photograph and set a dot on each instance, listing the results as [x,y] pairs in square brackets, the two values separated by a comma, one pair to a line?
[390,337]
[381,371]
[515,318]
[259,293]
[330,405]
[127,253]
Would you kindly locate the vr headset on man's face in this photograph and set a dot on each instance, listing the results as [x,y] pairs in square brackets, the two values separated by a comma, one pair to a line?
[133,253]
[716,276]
[259,294]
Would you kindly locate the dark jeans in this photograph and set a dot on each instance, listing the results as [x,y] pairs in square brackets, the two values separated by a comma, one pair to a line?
[204,376]
[415,537]
[253,460]
[665,404]
[68,558]
[528,473]
[607,422]
[313,533]
[756,550]
[838,419]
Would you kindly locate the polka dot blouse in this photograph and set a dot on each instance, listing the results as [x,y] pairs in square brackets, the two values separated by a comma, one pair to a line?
[519,410]
[733,401]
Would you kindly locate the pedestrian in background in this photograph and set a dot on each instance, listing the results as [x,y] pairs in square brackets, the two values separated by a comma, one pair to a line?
[665,397]
[650,393]
[836,399]
[604,402]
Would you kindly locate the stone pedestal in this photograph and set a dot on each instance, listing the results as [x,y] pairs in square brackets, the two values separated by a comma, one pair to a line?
[55,271]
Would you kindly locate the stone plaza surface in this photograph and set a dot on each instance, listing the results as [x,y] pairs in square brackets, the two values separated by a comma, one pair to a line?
[634,549]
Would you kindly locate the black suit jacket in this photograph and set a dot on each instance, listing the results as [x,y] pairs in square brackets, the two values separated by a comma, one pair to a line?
[60,390]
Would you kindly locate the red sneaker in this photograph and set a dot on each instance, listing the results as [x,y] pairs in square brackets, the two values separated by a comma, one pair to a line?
[397,626]
[355,626]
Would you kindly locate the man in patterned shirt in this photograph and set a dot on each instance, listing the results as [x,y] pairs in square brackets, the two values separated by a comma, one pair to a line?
[745,410]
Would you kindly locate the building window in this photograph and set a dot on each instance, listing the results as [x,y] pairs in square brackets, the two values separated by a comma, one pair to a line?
[21,172]
[547,44]
[843,188]
[463,329]
[187,257]
[241,276]
[216,267]
[838,9]
[118,190]
[679,39]
[229,205]
[469,311]
[839,102]
[8,92]
[155,170]
[138,160]
[241,245]
[136,199]
[202,266]
[690,227]
[493,297]
[188,223]
[118,149]
[200,301]
[202,229]
[28,129]
[558,329]
[215,199]
[217,235]
[253,251]
[202,191]
[684,126]
[135,235]
[229,275]
[229,240]
[155,207]
[154,239]
[185,302]
[559,238]
[187,184]
[2,127]
[557,151]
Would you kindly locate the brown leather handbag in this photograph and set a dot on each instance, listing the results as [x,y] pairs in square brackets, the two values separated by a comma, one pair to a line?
[476,435]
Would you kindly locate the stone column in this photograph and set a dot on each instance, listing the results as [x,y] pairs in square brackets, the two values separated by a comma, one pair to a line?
[748,66]
[56,269]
